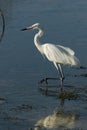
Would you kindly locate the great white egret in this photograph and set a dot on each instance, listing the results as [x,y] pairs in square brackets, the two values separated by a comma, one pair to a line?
[3,24]
[55,53]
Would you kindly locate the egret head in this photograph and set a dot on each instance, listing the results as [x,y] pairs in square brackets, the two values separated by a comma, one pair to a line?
[34,26]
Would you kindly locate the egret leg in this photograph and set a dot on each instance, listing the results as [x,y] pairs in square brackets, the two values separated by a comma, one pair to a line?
[59,68]
[61,74]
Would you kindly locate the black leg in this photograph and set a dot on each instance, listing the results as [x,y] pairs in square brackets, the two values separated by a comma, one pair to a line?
[59,68]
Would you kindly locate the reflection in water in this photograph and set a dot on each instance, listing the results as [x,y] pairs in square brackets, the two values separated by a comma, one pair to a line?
[60,119]
[69,93]
[57,120]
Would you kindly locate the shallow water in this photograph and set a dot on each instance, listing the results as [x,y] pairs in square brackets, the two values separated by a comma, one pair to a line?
[22,104]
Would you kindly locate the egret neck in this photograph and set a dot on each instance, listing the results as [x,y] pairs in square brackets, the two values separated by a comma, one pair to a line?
[36,40]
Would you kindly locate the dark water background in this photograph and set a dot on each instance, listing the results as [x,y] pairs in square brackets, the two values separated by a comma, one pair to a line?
[22,104]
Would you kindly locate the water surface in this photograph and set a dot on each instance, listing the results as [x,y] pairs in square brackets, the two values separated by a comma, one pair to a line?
[22,104]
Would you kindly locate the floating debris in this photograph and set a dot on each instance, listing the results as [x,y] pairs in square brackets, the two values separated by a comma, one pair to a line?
[68,95]
[83,75]
[2,100]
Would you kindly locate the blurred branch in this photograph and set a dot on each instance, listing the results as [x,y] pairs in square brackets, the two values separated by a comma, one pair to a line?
[3,25]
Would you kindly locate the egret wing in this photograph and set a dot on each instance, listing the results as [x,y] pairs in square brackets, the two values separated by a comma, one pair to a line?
[59,54]
[66,50]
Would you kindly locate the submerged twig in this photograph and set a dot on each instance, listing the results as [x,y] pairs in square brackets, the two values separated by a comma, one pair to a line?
[3,25]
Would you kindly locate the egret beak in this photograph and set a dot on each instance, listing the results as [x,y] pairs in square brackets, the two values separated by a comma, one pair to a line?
[27,28]
[23,29]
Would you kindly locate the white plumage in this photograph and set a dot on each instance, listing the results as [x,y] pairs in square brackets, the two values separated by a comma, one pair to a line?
[60,54]
[55,53]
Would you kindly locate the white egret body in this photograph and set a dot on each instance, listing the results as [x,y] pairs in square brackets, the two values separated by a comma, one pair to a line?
[55,53]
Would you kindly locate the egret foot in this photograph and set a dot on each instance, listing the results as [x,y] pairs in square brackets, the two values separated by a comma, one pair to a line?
[46,80]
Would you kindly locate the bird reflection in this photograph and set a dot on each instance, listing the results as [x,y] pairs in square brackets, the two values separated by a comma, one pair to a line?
[53,90]
[59,120]
[3,24]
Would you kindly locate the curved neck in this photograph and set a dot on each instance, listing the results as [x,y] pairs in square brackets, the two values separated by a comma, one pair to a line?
[36,40]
